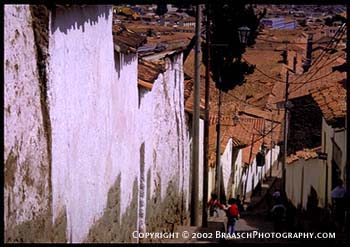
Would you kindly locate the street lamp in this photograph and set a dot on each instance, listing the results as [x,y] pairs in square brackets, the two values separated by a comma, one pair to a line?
[243,34]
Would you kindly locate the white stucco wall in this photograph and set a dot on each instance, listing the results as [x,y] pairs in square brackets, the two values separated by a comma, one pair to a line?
[93,114]
[226,165]
[329,133]
[98,123]
[255,173]
[298,186]
[294,182]
[238,175]
[339,139]
[26,192]
[163,129]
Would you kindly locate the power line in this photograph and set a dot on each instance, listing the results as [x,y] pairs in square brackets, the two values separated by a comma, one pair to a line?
[287,41]
[260,136]
[310,77]
[324,51]
[263,73]
[246,103]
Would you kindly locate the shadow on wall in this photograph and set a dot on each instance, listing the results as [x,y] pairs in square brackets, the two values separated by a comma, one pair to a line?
[230,193]
[67,18]
[121,59]
[111,227]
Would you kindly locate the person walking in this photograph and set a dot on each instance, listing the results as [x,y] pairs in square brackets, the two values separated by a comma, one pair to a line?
[214,205]
[337,195]
[278,213]
[232,214]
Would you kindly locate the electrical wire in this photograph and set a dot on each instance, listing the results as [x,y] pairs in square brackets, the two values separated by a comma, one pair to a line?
[315,72]
[249,104]
[261,136]
[340,31]
[263,73]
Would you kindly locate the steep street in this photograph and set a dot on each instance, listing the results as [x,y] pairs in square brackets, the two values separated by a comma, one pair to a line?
[131,123]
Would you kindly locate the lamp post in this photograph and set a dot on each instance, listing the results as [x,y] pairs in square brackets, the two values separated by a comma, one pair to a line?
[243,34]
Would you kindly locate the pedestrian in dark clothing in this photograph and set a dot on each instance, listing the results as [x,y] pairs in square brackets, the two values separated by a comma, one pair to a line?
[233,215]
[338,201]
[278,213]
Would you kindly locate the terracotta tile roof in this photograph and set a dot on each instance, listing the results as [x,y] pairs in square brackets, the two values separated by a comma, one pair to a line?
[189,73]
[148,72]
[305,154]
[126,40]
[242,135]
[248,99]
[332,102]
[317,77]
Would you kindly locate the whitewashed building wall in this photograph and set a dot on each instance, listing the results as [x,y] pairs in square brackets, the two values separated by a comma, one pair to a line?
[301,177]
[26,160]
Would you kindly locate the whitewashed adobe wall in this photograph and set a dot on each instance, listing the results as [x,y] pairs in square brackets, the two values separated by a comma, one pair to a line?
[93,113]
[330,137]
[255,173]
[226,164]
[27,190]
[232,170]
[101,134]
[163,130]
[301,177]
[237,186]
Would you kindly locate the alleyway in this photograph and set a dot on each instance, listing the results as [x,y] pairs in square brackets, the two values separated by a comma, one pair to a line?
[254,220]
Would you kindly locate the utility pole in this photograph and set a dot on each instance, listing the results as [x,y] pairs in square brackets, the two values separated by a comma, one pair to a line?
[206,125]
[218,130]
[271,145]
[195,123]
[285,136]
[347,145]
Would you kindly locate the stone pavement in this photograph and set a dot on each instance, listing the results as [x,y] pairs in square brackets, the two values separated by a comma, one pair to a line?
[252,220]
[200,234]
[268,184]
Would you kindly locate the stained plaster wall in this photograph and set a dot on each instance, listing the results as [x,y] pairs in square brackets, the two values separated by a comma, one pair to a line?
[232,169]
[27,189]
[227,169]
[330,136]
[163,130]
[93,109]
[256,173]
[303,177]
[93,194]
